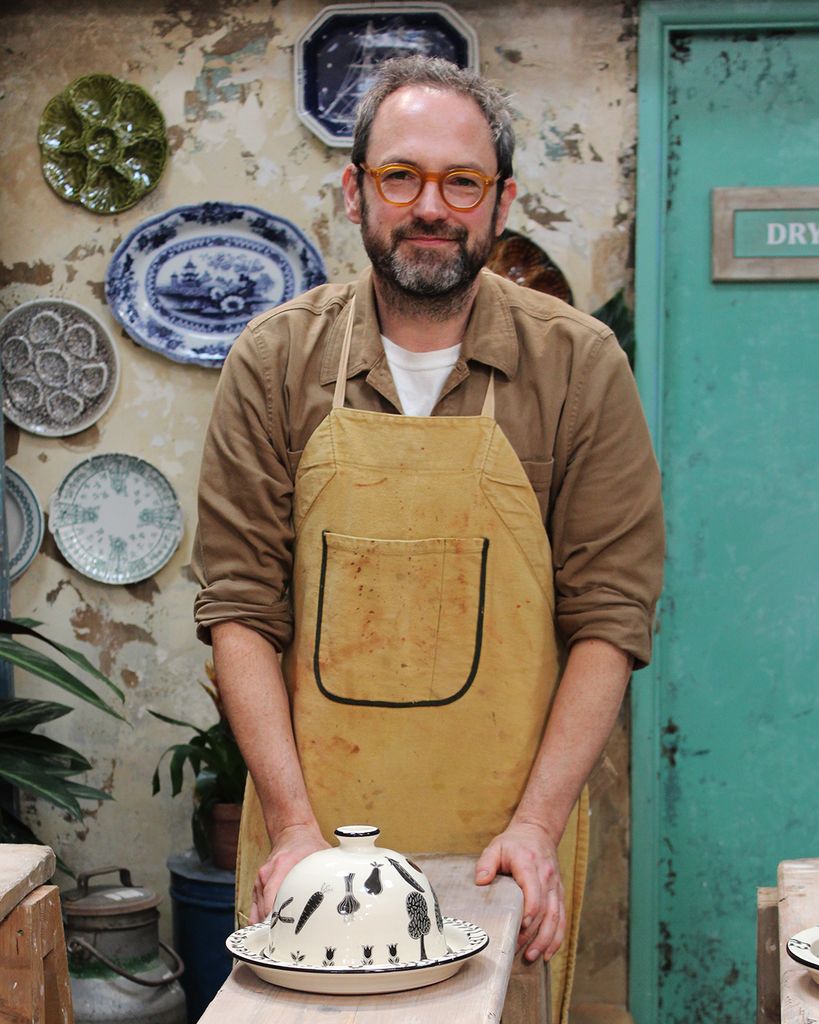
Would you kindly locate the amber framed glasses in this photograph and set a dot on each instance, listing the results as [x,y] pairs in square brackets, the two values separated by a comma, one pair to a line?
[462,188]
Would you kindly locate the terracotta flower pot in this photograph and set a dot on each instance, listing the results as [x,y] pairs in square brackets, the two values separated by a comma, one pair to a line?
[224,837]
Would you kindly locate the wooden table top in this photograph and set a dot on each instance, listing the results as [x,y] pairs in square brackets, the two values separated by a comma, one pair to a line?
[798,885]
[474,995]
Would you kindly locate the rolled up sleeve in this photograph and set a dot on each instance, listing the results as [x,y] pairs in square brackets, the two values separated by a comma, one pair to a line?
[244,543]
[606,521]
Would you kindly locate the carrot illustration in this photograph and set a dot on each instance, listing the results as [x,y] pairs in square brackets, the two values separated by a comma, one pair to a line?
[311,906]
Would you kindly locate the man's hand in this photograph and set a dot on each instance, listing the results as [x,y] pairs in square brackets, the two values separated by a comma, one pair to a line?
[527,853]
[293,844]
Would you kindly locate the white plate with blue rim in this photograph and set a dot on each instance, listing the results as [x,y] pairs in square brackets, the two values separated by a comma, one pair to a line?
[185,283]
[804,949]
[116,518]
[249,945]
[24,523]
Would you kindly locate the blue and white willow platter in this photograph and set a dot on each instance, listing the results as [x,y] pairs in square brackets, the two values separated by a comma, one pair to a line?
[116,518]
[185,283]
[24,523]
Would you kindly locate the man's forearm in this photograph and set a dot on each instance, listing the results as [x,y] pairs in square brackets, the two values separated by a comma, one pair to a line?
[582,717]
[257,706]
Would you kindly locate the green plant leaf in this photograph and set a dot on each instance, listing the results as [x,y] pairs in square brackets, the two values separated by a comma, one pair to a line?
[26,626]
[616,314]
[43,752]
[19,713]
[83,792]
[181,752]
[42,784]
[46,668]
[175,721]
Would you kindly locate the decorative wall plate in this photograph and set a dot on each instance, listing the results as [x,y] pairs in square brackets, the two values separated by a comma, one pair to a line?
[804,949]
[102,143]
[185,283]
[338,53]
[116,518]
[60,367]
[24,523]
[464,940]
[523,261]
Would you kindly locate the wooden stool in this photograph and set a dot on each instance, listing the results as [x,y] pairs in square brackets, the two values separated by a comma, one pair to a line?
[34,983]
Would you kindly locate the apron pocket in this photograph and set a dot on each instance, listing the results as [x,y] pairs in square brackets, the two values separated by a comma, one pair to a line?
[399,622]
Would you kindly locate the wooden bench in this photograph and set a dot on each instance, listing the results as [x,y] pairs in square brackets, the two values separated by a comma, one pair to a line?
[785,992]
[491,983]
[34,984]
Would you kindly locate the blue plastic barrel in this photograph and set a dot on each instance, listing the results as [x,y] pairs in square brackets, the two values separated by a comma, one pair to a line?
[203,909]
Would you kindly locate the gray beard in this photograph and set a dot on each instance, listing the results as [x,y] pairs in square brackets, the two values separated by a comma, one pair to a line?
[427,285]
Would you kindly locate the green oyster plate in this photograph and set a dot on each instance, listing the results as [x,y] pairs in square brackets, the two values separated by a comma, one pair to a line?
[102,143]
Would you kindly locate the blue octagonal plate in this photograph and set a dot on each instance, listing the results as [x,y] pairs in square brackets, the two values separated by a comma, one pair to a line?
[339,51]
[185,283]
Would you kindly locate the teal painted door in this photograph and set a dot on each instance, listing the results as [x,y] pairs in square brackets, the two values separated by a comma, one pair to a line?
[737,706]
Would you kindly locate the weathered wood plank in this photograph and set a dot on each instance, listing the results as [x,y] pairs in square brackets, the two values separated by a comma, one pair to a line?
[767,956]
[798,884]
[22,868]
[34,982]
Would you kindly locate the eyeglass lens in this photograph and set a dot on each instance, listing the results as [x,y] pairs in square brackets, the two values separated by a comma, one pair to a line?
[460,189]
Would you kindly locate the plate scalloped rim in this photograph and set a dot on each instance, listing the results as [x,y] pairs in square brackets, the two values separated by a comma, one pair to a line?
[21,492]
[175,529]
[360,980]
[112,387]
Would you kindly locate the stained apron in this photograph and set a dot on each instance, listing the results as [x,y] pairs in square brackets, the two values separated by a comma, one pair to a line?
[424,658]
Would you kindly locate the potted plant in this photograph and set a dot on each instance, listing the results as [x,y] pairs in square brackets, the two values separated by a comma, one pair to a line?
[219,787]
[29,760]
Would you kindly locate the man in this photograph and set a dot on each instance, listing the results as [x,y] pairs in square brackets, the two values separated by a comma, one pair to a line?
[423,574]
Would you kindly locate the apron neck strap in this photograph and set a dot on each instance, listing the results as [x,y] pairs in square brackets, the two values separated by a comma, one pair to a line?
[489,399]
[344,359]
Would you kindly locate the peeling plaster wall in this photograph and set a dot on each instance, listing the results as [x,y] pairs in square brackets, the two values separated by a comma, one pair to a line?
[222,74]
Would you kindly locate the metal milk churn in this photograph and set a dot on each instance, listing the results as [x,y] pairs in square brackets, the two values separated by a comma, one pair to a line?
[112,939]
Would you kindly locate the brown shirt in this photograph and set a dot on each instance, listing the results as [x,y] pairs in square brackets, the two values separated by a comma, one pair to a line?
[564,397]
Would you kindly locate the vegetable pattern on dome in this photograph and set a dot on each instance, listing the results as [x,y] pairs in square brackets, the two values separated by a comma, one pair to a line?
[102,143]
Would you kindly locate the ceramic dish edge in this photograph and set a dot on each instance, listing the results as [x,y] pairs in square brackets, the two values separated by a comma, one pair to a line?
[115,360]
[190,355]
[55,526]
[21,491]
[800,947]
[473,939]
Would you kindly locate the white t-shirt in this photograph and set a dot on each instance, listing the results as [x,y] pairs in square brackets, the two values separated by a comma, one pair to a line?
[419,376]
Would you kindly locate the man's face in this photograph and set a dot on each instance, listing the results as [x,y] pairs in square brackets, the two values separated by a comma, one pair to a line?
[426,249]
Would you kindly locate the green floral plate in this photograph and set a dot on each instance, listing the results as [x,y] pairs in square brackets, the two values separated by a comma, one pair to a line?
[102,143]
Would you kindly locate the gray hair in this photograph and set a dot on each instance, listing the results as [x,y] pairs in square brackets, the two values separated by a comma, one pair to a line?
[397,72]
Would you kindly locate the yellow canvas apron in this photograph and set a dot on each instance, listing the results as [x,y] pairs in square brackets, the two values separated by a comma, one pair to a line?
[424,659]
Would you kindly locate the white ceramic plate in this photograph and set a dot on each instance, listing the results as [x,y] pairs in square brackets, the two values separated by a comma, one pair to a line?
[24,523]
[804,949]
[60,367]
[116,518]
[463,939]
